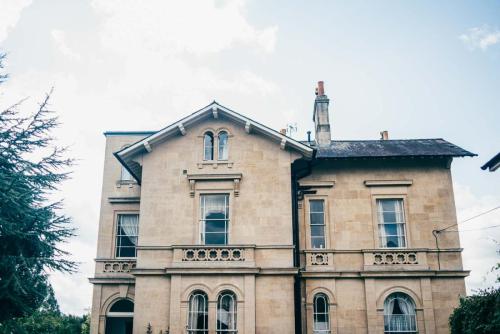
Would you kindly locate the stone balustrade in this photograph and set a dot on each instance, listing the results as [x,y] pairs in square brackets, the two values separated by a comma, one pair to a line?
[320,259]
[388,259]
[116,265]
[213,254]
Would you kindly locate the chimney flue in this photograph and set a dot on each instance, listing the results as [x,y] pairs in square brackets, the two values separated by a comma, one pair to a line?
[283,131]
[322,134]
[384,135]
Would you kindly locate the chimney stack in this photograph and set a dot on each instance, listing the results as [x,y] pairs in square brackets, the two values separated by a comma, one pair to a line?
[322,133]
[384,135]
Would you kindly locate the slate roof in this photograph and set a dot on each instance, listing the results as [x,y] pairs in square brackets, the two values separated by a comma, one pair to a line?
[345,149]
[493,164]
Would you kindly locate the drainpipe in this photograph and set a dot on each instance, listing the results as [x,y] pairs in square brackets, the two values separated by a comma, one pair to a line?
[296,255]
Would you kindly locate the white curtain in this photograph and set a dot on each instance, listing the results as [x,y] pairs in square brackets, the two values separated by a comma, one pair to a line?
[197,312]
[130,226]
[213,204]
[399,314]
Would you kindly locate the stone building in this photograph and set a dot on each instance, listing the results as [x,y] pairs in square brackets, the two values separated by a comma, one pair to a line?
[219,224]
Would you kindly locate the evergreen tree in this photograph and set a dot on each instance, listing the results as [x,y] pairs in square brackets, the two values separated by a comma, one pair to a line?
[31,225]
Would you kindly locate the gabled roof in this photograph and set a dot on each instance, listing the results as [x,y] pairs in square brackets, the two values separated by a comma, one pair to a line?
[493,164]
[214,110]
[345,149]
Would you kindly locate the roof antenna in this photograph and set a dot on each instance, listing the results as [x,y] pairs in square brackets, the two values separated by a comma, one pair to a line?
[291,128]
[309,137]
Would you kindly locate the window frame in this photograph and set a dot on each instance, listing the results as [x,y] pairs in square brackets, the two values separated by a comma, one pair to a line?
[116,235]
[326,220]
[326,313]
[205,313]
[234,312]
[407,299]
[212,135]
[202,220]
[378,223]
[219,145]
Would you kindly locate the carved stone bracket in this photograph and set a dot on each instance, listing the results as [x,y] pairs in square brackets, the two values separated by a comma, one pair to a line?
[193,178]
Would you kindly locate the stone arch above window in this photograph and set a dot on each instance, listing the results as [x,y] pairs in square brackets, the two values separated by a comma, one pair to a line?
[122,306]
[325,291]
[383,296]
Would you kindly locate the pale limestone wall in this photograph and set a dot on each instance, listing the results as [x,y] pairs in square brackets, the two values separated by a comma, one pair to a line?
[170,216]
[104,294]
[274,305]
[260,215]
[445,293]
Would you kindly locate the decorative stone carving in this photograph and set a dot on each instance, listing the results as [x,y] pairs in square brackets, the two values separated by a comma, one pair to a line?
[119,266]
[319,259]
[395,257]
[213,254]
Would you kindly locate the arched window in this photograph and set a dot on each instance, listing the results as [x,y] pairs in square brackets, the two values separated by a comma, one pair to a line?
[399,314]
[226,313]
[223,142]
[120,317]
[321,318]
[208,146]
[198,313]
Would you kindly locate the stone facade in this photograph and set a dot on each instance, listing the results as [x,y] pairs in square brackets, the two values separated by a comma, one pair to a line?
[273,282]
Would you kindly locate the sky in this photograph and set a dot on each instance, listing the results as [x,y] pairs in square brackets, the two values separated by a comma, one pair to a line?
[426,69]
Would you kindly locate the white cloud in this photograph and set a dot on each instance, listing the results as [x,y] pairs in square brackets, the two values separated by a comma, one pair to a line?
[59,37]
[481,37]
[480,245]
[10,11]
[168,27]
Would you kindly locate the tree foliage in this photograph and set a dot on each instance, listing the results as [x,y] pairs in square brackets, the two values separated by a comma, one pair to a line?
[31,224]
[46,322]
[478,314]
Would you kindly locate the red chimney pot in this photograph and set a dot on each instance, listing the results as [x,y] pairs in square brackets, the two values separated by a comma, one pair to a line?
[321,88]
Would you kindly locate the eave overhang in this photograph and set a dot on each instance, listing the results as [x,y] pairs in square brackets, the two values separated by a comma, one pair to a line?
[130,157]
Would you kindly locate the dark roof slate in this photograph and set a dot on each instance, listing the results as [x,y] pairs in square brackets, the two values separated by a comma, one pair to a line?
[492,163]
[344,149]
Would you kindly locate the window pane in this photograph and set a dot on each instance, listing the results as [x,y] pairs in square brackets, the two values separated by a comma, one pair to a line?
[214,218]
[125,175]
[316,205]
[318,242]
[389,217]
[223,149]
[392,242]
[390,229]
[208,145]
[127,252]
[317,219]
[215,226]
[391,223]
[317,231]
[126,235]
[215,238]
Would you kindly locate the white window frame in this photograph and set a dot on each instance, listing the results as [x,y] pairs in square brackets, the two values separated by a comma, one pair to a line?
[192,314]
[381,223]
[225,148]
[309,213]
[326,313]
[118,247]
[205,146]
[233,313]
[411,318]
[202,223]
